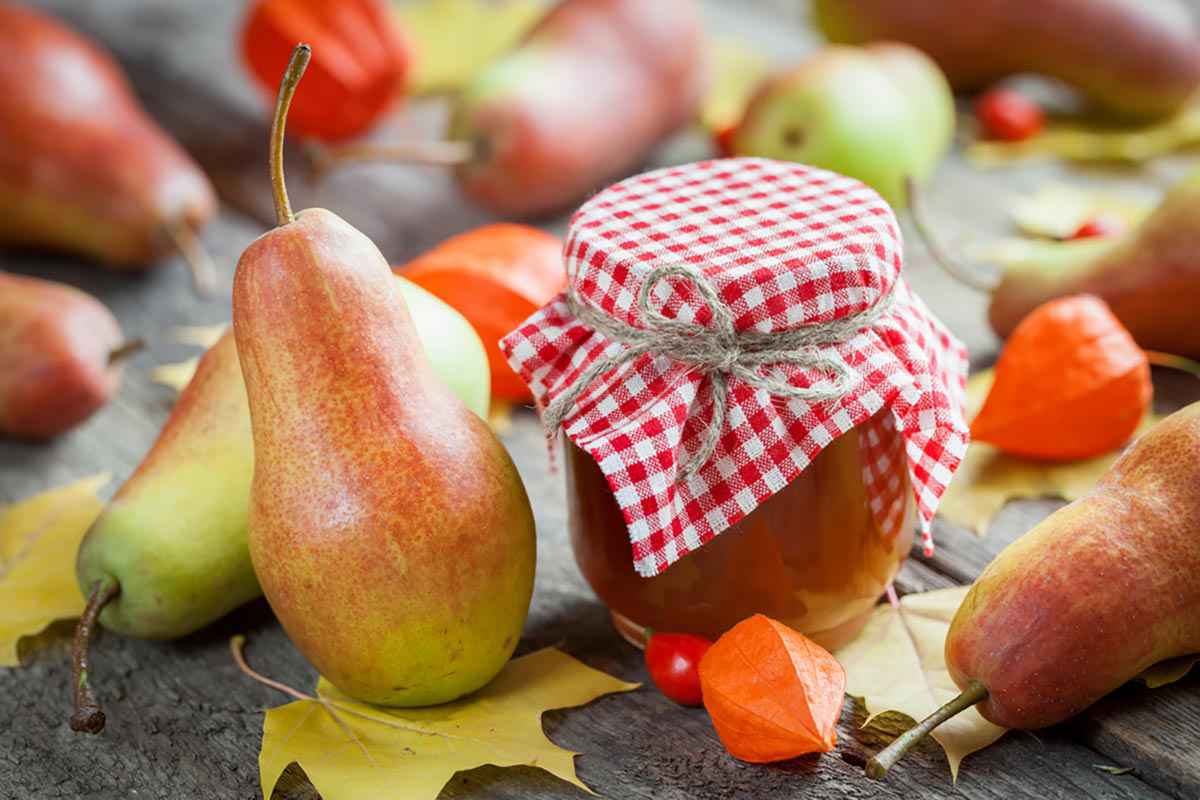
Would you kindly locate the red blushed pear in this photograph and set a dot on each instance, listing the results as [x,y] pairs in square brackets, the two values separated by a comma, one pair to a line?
[60,350]
[1090,598]
[388,527]
[83,168]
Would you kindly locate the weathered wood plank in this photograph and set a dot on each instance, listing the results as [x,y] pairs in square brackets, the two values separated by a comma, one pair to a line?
[185,723]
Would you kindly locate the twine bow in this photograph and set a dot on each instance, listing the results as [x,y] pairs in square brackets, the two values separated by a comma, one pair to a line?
[719,351]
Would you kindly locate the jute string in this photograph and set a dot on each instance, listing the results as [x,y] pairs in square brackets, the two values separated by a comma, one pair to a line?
[719,351]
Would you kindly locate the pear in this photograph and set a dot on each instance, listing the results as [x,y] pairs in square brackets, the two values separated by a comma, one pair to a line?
[1136,58]
[388,527]
[1150,276]
[60,351]
[169,551]
[455,351]
[83,168]
[880,113]
[1088,599]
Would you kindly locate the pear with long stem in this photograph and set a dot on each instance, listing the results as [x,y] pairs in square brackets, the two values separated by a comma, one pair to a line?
[388,527]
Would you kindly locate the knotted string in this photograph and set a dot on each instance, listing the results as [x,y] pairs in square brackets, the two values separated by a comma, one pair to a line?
[719,351]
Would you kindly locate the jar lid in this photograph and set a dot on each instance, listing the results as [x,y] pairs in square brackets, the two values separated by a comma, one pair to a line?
[724,321]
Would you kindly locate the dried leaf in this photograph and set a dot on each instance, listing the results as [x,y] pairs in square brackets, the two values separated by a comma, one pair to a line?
[1168,671]
[1111,770]
[737,70]
[38,540]
[1080,142]
[772,693]
[897,664]
[1021,253]
[987,479]
[369,751]
[1070,384]
[1057,210]
[199,335]
[176,376]
[454,39]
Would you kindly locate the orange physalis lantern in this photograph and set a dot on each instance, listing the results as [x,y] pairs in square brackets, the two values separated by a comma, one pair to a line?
[772,693]
[360,61]
[1070,383]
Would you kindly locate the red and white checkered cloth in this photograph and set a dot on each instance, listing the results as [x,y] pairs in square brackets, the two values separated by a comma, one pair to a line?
[784,245]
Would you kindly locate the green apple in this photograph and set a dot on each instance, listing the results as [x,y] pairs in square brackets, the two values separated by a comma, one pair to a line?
[879,113]
[454,349]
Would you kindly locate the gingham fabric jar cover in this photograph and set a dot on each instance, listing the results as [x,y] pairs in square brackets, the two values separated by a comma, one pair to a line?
[782,248]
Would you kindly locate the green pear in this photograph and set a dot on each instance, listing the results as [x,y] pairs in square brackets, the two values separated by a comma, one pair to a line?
[1149,276]
[881,114]
[172,542]
[452,346]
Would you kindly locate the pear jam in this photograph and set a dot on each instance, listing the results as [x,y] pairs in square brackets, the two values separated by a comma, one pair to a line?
[759,415]
[814,556]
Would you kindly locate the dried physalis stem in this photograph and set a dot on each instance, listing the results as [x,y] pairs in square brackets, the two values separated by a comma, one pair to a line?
[445,153]
[959,272]
[199,262]
[237,645]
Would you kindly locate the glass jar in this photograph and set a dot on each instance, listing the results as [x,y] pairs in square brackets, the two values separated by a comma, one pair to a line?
[817,555]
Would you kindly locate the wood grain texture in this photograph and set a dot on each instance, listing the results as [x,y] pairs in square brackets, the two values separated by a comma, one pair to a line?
[185,723]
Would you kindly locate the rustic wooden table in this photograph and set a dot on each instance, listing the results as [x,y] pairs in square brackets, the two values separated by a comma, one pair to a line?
[183,722]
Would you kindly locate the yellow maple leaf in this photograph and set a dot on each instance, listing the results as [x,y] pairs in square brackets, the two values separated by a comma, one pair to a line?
[351,750]
[500,415]
[200,335]
[1168,671]
[1056,210]
[987,479]
[454,39]
[898,664]
[1078,141]
[737,70]
[177,376]
[38,540]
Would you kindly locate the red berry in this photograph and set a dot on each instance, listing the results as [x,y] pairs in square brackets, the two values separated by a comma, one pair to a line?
[1007,115]
[1099,225]
[723,140]
[673,660]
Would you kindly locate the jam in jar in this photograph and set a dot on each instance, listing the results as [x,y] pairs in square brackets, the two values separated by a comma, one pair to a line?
[816,556]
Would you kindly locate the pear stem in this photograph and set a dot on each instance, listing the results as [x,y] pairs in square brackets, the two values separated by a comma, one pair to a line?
[125,350]
[1173,362]
[287,89]
[878,766]
[443,153]
[199,262]
[88,717]
[957,271]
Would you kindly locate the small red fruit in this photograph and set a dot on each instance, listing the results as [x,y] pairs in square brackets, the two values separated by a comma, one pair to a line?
[723,141]
[1099,225]
[673,660]
[1008,116]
